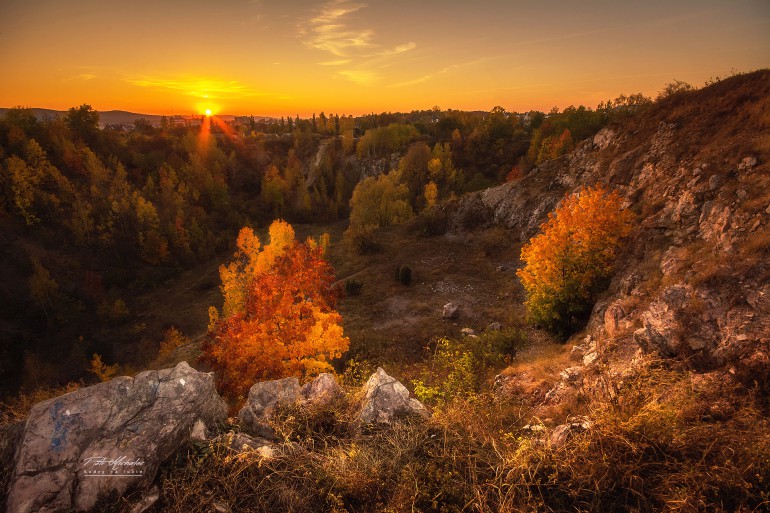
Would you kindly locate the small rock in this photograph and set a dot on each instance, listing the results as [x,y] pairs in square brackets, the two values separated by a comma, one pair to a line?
[715,182]
[742,194]
[747,163]
[494,326]
[468,332]
[561,434]
[590,358]
[241,443]
[577,352]
[534,428]
[451,311]
[385,397]
[767,210]
[501,268]
[572,375]
[198,430]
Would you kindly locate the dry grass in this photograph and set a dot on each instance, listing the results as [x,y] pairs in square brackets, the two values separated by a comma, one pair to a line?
[668,442]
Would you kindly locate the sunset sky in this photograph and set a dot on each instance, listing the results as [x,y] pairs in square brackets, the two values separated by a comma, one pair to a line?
[287,57]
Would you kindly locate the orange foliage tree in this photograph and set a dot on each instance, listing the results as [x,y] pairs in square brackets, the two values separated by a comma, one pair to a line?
[572,260]
[279,316]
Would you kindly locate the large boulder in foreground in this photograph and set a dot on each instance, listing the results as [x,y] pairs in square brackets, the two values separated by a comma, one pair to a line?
[385,397]
[106,438]
[265,396]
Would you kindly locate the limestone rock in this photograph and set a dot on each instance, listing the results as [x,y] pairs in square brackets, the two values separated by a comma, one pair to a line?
[322,390]
[451,311]
[108,437]
[561,434]
[603,138]
[577,352]
[241,442]
[495,326]
[747,163]
[263,398]
[572,375]
[385,397]
[468,332]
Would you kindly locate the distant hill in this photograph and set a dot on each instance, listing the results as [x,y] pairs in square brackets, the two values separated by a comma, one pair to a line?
[118,117]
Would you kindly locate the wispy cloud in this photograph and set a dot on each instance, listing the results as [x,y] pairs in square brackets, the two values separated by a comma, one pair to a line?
[81,76]
[360,76]
[211,88]
[339,29]
[447,69]
[332,31]
[338,62]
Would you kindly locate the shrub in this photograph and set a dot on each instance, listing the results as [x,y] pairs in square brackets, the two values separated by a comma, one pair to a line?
[405,275]
[494,241]
[571,261]
[353,287]
[173,339]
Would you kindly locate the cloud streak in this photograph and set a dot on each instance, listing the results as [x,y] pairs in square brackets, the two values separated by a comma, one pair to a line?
[339,30]
[210,88]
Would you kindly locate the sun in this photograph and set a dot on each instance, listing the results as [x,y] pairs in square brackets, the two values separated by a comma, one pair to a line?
[207,112]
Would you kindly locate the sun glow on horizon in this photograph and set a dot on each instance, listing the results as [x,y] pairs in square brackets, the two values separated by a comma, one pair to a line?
[207,112]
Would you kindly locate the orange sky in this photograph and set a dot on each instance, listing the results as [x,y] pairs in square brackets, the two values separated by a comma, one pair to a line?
[285,57]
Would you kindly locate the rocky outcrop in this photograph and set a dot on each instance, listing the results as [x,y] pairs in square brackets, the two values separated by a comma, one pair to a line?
[385,398]
[692,283]
[108,437]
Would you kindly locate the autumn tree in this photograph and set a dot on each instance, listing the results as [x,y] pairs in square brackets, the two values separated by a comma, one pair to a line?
[377,202]
[279,316]
[571,261]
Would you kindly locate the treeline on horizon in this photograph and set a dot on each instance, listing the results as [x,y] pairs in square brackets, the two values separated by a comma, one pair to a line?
[91,217]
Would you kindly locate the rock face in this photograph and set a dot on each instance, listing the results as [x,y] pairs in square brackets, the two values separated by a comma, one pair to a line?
[692,281]
[385,397]
[108,437]
[265,396]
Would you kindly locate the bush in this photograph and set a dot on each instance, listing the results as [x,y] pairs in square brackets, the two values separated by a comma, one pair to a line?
[571,261]
[353,287]
[404,274]
[494,241]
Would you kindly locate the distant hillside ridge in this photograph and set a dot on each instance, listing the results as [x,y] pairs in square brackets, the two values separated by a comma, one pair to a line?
[122,117]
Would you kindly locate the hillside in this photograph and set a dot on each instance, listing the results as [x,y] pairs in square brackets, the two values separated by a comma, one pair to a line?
[115,117]
[660,402]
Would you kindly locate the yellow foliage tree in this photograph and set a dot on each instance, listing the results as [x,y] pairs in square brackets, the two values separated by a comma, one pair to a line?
[377,202]
[431,195]
[572,259]
[101,370]
[279,316]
